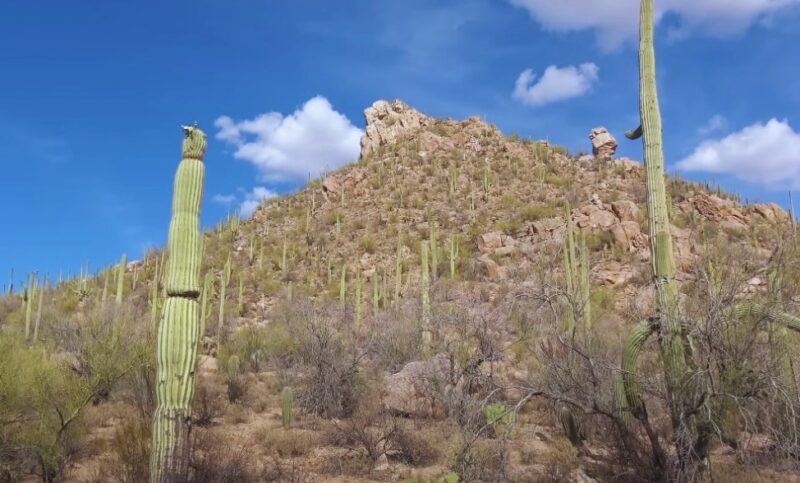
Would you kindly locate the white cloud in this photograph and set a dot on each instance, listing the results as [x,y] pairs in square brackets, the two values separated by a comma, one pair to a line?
[617,21]
[311,140]
[764,154]
[223,199]
[715,124]
[555,85]
[253,199]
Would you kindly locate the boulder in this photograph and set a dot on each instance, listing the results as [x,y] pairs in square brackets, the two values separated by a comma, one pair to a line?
[412,391]
[629,236]
[604,146]
[625,210]
[489,242]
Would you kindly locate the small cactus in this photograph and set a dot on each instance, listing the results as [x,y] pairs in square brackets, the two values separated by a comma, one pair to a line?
[425,286]
[286,407]
[123,265]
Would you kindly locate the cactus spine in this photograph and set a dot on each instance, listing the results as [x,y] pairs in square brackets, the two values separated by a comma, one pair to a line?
[123,264]
[178,333]
[286,407]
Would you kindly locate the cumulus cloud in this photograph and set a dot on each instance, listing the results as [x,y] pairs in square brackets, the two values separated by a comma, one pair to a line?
[254,198]
[617,21]
[555,85]
[311,140]
[715,124]
[764,154]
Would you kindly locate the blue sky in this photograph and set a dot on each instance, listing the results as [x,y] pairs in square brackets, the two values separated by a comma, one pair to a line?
[92,94]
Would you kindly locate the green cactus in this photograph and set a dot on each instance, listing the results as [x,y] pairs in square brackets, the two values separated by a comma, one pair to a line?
[454,248]
[224,280]
[674,345]
[123,265]
[398,272]
[240,300]
[208,287]
[38,316]
[178,333]
[30,294]
[425,288]
[104,295]
[343,285]
[434,246]
[286,407]
[358,298]
[376,295]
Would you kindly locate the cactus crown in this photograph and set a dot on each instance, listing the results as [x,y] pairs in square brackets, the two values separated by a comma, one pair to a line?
[194,142]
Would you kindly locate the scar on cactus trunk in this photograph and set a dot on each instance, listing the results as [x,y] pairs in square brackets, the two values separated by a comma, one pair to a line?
[178,331]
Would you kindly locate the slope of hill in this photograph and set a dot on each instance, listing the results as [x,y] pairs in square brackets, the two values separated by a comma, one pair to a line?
[413,301]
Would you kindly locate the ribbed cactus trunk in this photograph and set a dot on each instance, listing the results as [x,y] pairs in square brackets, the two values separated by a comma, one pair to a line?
[690,438]
[123,265]
[178,332]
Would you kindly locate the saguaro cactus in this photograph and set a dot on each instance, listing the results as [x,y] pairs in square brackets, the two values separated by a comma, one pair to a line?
[123,265]
[178,333]
[691,438]
[286,406]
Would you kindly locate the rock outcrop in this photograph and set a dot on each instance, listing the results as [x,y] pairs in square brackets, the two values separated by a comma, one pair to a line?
[387,122]
[604,146]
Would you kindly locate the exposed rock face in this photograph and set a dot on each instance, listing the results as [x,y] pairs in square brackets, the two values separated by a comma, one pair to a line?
[603,143]
[628,234]
[722,211]
[626,210]
[351,181]
[771,212]
[492,269]
[386,122]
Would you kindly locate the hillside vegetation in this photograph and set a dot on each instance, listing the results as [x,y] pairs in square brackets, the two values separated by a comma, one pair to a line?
[452,307]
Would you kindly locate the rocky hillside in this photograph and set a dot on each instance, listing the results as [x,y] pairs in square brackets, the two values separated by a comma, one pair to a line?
[457,372]
[501,200]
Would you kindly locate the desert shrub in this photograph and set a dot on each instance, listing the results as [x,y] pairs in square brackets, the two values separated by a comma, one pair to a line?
[214,460]
[331,382]
[482,460]
[207,405]
[256,347]
[560,462]
[285,443]
[538,211]
[129,451]
[44,392]
[368,244]
[415,447]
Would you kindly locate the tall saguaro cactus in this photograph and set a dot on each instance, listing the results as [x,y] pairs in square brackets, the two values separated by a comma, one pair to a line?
[690,438]
[178,333]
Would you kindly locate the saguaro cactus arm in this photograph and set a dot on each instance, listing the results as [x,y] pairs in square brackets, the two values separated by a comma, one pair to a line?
[178,333]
